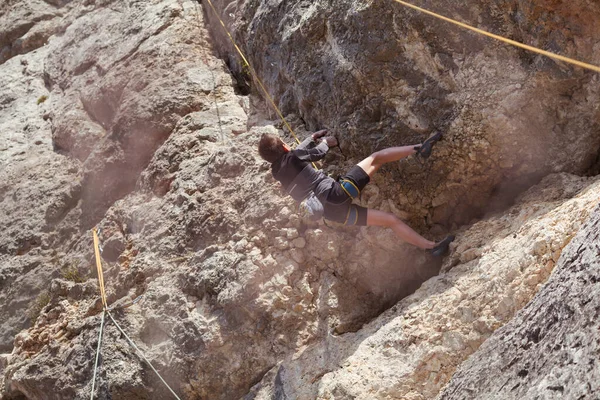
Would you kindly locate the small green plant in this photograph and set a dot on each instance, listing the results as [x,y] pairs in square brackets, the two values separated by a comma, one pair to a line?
[37,305]
[42,99]
[71,273]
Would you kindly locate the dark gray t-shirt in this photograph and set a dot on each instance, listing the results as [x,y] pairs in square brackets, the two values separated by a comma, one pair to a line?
[297,175]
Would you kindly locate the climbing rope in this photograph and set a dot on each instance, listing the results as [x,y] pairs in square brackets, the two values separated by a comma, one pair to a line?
[106,310]
[255,76]
[142,355]
[253,72]
[104,305]
[502,39]
[97,355]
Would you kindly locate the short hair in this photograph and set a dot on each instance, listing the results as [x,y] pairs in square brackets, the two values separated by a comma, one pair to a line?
[271,147]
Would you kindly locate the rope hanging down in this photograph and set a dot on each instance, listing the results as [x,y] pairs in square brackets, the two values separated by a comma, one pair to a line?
[97,355]
[253,72]
[106,310]
[503,39]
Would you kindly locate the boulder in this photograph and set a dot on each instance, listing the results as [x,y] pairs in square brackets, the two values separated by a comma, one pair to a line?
[379,74]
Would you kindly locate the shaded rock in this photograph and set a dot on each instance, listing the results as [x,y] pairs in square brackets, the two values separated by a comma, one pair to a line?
[380,75]
[26,27]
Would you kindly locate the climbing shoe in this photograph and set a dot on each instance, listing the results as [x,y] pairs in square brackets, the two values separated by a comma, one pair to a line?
[441,248]
[424,150]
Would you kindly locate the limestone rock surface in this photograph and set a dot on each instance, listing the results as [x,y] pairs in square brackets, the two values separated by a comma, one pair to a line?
[549,350]
[121,76]
[380,74]
[38,188]
[231,278]
[122,116]
[412,349]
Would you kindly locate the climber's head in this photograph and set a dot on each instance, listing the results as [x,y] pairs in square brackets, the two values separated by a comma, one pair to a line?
[271,147]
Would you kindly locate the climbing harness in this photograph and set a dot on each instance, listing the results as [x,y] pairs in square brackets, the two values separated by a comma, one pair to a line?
[350,188]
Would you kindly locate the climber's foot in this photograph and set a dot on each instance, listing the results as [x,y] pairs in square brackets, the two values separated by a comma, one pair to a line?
[424,150]
[441,248]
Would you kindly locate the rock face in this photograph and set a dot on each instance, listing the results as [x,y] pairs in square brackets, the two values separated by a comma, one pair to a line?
[549,349]
[232,279]
[380,74]
[38,188]
[118,114]
[412,350]
[27,26]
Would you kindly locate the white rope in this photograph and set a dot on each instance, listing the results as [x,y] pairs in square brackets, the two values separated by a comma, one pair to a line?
[97,355]
[106,311]
[142,355]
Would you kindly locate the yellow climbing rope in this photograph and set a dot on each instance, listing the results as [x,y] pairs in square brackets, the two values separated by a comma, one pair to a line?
[502,39]
[414,7]
[254,74]
[105,311]
[99,268]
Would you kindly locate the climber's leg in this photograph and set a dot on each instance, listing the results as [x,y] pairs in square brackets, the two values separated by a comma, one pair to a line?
[372,163]
[403,231]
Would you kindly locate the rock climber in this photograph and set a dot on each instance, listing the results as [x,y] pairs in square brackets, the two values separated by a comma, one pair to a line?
[320,195]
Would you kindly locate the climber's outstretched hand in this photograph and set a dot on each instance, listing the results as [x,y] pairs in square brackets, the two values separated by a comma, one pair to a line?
[319,134]
[331,141]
